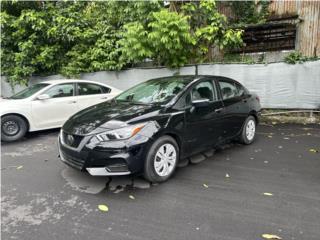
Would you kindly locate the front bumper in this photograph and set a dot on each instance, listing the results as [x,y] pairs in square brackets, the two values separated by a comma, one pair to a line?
[111,159]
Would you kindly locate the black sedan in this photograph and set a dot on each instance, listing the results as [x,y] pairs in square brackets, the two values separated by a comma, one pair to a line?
[150,127]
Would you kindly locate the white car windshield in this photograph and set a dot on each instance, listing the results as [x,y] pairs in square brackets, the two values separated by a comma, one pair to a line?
[29,91]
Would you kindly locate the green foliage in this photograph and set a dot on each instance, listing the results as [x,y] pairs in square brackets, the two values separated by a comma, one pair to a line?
[65,37]
[249,12]
[174,39]
[297,57]
[170,38]
[135,44]
[239,58]
[210,28]
[73,37]
[166,39]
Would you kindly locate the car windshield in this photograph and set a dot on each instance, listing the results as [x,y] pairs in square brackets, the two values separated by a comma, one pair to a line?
[155,91]
[29,91]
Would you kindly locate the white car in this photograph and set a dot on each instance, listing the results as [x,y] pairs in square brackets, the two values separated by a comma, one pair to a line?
[48,105]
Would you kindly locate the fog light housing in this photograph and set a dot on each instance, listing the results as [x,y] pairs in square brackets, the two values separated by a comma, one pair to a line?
[118,167]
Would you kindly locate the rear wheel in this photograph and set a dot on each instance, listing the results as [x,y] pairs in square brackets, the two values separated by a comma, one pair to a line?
[12,128]
[248,133]
[161,160]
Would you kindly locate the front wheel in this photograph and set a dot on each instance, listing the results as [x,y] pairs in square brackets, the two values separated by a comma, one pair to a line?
[12,128]
[161,160]
[248,131]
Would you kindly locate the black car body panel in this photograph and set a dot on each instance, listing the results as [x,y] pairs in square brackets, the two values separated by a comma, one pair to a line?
[194,128]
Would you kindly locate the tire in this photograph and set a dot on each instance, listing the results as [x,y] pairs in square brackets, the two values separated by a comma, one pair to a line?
[248,133]
[166,167]
[13,128]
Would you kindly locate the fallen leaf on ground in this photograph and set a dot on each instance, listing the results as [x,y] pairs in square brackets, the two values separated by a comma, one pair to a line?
[132,197]
[103,208]
[205,185]
[270,236]
[227,175]
[267,194]
[286,138]
[269,136]
[313,150]
[19,167]
[309,134]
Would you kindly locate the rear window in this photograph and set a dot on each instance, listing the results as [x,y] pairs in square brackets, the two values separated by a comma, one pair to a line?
[90,89]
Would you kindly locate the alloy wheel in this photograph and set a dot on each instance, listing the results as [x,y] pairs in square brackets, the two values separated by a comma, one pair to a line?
[250,129]
[165,159]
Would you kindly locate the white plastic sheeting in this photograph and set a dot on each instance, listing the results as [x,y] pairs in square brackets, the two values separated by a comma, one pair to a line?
[279,85]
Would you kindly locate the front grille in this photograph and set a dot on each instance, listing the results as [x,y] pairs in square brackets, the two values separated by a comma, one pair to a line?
[72,161]
[71,139]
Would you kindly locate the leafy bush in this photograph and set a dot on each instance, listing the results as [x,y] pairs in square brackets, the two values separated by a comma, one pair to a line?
[249,12]
[73,37]
[174,39]
[65,37]
[210,28]
[166,39]
[297,57]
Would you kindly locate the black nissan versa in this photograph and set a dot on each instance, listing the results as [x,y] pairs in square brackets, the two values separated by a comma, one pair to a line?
[148,128]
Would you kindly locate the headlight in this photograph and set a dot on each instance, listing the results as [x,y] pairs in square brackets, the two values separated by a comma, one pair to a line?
[120,133]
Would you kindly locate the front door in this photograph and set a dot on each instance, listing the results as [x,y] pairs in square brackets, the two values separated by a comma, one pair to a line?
[53,112]
[203,123]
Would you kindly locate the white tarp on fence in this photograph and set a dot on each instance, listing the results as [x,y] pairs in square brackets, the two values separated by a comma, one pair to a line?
[279,85]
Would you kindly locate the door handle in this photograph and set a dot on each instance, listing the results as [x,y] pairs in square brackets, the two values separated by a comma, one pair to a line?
[218,110]
[71,102]
[104,98]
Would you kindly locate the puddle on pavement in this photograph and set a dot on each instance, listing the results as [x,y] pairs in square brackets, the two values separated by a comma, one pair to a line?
[84,182]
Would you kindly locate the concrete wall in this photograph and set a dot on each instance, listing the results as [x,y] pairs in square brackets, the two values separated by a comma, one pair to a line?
[279,85]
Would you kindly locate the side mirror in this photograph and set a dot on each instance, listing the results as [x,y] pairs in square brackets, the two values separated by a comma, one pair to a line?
[201,102]
[43,97]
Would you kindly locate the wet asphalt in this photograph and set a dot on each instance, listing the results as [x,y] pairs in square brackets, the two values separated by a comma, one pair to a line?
[241,192]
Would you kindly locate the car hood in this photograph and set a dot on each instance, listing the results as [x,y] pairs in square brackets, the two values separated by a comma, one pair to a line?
[109,115]
[12,104]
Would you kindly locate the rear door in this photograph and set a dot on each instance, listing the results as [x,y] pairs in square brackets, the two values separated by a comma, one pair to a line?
[236,107]
[90,94]
[53,112]
[203,124]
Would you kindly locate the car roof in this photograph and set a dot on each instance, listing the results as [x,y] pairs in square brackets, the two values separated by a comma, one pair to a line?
[57,81]
[191,78]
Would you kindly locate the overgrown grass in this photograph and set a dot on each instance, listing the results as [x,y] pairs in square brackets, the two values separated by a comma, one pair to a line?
[287,116]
